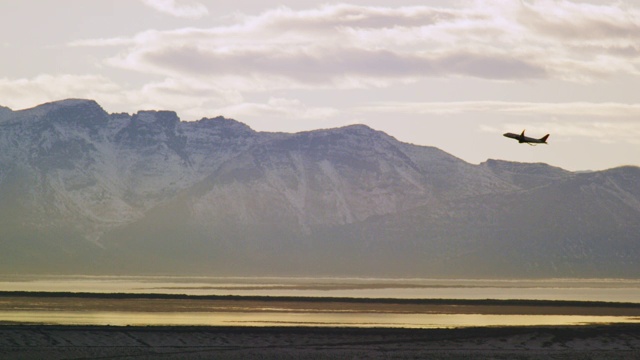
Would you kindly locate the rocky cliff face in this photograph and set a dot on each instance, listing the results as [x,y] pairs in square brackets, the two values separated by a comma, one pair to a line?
[86,191]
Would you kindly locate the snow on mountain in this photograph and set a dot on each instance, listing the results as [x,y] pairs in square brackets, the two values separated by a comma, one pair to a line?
[147,192]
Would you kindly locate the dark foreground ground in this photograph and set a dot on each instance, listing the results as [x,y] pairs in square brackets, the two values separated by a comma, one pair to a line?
[104,342]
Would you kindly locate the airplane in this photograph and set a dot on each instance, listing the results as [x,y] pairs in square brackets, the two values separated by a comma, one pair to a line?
[525,139]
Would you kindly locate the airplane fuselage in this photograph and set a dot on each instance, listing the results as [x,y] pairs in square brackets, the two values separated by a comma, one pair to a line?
[525,139]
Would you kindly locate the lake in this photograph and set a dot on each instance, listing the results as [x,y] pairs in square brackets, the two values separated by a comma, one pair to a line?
[609,290]
[614,290]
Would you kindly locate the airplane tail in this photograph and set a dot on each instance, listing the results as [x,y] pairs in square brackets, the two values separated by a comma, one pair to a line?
[544,138]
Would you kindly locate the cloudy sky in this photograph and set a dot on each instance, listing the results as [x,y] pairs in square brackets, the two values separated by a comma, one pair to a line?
[450,74]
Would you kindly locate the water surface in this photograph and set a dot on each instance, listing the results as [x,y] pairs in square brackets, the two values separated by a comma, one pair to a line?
[613,290]
[609,290]
[299,319]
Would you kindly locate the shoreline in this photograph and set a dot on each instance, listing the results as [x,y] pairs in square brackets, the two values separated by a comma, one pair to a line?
[346,299]
[86,301]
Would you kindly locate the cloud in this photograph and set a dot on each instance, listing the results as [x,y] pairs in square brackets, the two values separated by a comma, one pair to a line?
[342,46]
[351,46]
[102,42]
[318,66]
[609,110]
[280,108]
[192,100]
[582,22]
[178,8]
[584,41]
[25,92]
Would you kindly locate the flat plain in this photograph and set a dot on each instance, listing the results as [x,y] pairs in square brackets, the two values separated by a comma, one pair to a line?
[51,341]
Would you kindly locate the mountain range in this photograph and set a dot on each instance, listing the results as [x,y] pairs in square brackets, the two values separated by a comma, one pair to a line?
[83,191]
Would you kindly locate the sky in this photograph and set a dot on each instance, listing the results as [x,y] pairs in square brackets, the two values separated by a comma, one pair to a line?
[451,74]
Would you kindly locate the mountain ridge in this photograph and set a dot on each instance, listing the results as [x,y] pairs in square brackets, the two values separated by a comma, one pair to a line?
[149,193]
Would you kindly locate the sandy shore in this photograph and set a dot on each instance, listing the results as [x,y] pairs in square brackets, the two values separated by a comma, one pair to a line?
[100,342]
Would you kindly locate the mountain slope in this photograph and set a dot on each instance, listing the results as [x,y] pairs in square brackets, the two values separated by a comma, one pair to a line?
[584,225]
[83,191]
